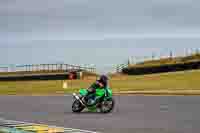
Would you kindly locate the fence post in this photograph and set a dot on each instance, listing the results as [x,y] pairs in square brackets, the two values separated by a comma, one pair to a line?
[171,54]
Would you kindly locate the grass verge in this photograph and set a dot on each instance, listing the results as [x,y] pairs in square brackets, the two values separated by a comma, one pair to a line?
[186,82]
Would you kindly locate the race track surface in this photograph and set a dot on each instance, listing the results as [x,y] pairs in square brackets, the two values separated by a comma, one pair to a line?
[133,114]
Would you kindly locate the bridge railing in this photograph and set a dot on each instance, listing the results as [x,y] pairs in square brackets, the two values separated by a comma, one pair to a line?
[46,67]
[120,67]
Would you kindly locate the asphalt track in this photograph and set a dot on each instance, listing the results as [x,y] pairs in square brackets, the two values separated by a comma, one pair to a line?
[133,114]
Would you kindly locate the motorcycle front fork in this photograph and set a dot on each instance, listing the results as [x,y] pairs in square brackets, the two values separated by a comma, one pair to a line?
[78,98]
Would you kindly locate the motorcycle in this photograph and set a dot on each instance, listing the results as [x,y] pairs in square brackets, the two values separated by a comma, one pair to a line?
[104,101]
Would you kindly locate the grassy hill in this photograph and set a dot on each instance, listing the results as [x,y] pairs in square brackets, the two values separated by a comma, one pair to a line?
[164,65]
[168,61]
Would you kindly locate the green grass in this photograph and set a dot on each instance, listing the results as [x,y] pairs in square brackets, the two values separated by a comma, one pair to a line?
[188,80]
[31,87]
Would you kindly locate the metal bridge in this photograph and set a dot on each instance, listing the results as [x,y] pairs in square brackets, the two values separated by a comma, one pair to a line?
[45,67]
[42,72]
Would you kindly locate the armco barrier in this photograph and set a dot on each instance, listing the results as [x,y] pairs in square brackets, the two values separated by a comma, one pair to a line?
[34,77]
[44,76]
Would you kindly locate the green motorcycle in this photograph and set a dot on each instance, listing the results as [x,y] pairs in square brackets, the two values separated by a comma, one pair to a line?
[103,102]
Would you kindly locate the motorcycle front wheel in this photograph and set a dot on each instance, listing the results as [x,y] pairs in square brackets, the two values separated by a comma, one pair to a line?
[107,106]
[77,106]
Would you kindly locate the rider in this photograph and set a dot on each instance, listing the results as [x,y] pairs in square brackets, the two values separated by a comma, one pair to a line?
[101,83]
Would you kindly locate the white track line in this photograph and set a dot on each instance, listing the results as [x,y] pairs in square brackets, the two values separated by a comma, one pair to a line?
[72,130]
[68,95]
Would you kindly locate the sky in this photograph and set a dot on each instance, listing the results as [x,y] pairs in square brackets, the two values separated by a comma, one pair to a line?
[99,32]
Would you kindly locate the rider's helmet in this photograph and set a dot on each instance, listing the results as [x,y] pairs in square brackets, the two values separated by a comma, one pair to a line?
[104,80]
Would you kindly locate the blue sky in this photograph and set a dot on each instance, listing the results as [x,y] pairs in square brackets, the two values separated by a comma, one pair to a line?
[103,32]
